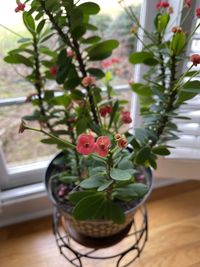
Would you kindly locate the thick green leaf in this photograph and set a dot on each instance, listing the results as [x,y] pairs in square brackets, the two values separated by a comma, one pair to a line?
[131,191]
[29,22]
[141,89]
[120,175]
[18,59]
[66,179]
[89,8]
[162,22]
[161,150]
[94,181]
[75,197]
[40,26]
[143,57]
[102,50]
[192,87]
[104,186]
[98,73]
[114,112]
[91,40]
[142,155]
[91,207]
[113,212]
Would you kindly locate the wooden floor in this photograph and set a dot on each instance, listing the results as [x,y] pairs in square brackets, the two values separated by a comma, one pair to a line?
[174,235]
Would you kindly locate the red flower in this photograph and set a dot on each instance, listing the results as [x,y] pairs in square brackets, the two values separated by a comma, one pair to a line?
[54,70]
[70,53]
[198,12]
[86,144]
[195,59]
[122,143]
[126,118]
[162,5]
[102,146]
[105,110]
[177,29]
[188,3]
[20,7]
[88,81]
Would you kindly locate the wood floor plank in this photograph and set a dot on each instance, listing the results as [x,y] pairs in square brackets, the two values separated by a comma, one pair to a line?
[174,235]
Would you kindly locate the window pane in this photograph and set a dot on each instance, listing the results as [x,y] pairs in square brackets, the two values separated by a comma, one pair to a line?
[23,148]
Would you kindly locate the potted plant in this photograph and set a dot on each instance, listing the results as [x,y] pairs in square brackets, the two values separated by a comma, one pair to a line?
[103,173]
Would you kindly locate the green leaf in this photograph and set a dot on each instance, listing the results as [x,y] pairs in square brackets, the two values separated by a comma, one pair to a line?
[91,40]
[89,8]
[40,26]
[130,192]
[125,164]
[98,73]
[94,181]
[192,87]
[161,150]
[120,175]
[114,112]
[114,212]
[75,197]
[142,155]
[18,59]
[66,179]
[141,89]
[178,43]
[29,22]
[91,207]
[102,50]
[143,57]
[104,186]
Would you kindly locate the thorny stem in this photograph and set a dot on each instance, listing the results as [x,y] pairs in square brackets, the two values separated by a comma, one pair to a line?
[38,80]
[74,45]
[162,66]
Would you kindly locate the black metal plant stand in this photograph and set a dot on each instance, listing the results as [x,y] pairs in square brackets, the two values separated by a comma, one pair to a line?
[121,254]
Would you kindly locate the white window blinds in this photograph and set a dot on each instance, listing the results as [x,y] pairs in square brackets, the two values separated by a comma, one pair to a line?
[188,146]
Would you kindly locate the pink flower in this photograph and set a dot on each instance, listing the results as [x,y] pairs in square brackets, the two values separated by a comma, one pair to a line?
[188,3]
[70,53]
[198,12]
[86,144]
[62,190]
[115,60]
[88,81]
[106,63]
[126,118]
[162,5]
[54,70]
[195,59]
[105,110]
[122,143]
[102,146]
[109,62]
[118,136]
[20,7]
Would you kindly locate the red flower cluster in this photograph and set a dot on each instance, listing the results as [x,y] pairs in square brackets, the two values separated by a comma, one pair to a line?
[109,62]
[86,145]
[188,3]
[198,12]
[54,70]
[162,5]
[121,142]
[105,110]
[195,59]
[126,117]
[20,7]
[88,81]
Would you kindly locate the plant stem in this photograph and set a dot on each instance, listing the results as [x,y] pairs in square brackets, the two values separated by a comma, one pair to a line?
[74,45]
[38,81]
[162,66]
